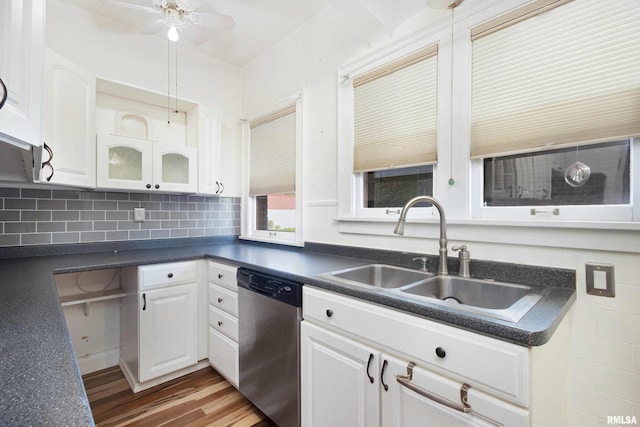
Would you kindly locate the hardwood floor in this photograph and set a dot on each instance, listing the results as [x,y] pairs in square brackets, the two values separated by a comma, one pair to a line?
[202,398]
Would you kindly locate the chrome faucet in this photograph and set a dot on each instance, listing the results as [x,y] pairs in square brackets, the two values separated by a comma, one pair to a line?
[399,230]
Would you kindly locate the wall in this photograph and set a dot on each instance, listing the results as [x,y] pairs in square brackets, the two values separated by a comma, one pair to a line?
[604,347]
[37,216]
[114,52]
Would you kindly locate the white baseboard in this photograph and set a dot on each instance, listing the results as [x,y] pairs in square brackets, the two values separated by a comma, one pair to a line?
[96,362]
[137,387]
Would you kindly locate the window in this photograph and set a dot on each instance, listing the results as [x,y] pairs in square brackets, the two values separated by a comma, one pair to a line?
[597,174]
[553,84]
[273,208]
[393,187]
[392,106]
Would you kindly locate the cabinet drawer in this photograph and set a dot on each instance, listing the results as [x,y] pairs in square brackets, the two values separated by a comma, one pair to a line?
[223,356]
[224,299]
[223,322]
[223,275]
[155,275]
[486,363]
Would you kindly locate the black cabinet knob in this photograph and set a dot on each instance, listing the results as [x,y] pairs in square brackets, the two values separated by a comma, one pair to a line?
[219,300]
[148,185]
[170,275]
[157,186]
[219,322]
[329,313]
[441,353]
[219,276]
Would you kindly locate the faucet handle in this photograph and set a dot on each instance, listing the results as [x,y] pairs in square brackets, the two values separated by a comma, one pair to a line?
[423,262]
[464,253]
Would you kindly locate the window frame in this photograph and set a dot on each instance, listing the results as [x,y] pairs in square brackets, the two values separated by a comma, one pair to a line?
[508,215]
[350,183]
[616,213]
[248,205]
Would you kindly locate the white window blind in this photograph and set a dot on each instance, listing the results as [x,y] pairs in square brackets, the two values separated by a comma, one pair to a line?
[550,76]
[395,113]
[273,154]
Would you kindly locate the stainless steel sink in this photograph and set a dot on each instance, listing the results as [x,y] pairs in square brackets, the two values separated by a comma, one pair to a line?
[505,301]
[377,275]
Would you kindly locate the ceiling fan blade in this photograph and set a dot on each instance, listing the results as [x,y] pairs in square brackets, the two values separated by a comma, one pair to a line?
[154,27]
[131,6]
[189,5]
[195,35]
[214,20]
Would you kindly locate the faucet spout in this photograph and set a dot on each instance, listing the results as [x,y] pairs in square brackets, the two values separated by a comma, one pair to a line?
[399,230]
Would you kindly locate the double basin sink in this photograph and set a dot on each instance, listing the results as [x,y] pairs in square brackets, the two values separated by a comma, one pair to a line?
[504,301]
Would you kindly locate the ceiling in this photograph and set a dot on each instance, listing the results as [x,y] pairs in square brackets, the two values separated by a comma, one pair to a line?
[258,23]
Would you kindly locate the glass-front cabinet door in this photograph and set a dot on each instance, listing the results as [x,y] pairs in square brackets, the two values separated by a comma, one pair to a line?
[175,168]
[124,163]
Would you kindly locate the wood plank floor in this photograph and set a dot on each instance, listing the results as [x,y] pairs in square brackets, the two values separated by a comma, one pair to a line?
[202,398]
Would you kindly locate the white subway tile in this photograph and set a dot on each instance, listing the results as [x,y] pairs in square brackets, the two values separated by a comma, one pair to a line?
[582,345]
[615,354]
[618,383]
[616,326]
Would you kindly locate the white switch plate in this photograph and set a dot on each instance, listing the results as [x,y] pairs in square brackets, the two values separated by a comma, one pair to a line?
[138,214]
[600,279]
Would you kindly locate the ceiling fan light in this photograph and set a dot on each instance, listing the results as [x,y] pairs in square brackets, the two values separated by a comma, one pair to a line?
[172,34]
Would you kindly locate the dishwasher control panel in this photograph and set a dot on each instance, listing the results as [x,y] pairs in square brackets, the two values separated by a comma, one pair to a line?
[284,290]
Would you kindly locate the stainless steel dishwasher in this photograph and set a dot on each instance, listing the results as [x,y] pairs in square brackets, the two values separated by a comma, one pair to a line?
[269,314]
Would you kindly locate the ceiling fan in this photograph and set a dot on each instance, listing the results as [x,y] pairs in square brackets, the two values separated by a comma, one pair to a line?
[178,15]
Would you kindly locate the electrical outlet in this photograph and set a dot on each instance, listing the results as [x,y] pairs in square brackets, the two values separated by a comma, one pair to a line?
[138,214]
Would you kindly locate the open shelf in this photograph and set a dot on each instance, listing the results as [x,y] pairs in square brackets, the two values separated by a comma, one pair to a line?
[91,297]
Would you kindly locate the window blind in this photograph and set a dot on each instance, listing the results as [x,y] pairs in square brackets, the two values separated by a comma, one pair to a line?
[273,154]
[395,113]
[551,76]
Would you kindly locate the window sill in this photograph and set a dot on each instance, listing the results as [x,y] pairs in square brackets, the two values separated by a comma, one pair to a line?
[274,241]
[589,235]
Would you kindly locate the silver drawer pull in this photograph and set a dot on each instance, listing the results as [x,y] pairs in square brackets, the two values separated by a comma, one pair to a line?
[405,380]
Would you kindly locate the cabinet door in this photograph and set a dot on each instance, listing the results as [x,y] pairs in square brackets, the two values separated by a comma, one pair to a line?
[21,69]
[403,407]
[208,152]
[339,380]
[124,163]
[69,125]
[175,168]
[168,330]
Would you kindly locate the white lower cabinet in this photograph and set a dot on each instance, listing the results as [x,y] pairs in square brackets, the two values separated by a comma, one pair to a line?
[336,385]
[223,320]
[168,330]
[355,360]
[159,323]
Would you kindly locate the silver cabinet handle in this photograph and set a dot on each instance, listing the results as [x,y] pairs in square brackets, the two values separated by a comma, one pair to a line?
[405,380]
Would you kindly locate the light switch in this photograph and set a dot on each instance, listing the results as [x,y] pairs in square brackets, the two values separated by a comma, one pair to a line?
[600,279]
[138,214]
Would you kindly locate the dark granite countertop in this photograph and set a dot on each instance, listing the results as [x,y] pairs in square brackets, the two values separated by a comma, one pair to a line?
[40,383]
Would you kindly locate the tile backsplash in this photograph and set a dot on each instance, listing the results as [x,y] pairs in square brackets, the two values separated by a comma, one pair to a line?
[43,216]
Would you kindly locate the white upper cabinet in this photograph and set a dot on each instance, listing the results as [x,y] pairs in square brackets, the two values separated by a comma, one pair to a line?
[69,123]
[209,136]
[21,69]
[142,145]
[136,164]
